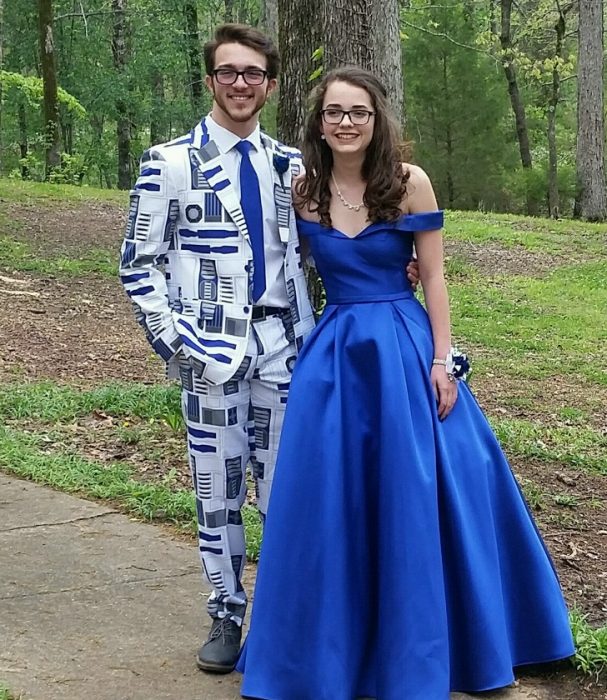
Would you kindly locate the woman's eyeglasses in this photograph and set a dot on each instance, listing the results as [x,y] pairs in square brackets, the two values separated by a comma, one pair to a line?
[356,116]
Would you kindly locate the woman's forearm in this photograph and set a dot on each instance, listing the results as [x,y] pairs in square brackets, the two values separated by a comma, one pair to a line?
[437,305]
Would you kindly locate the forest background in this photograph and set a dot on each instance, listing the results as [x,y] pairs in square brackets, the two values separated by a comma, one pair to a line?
[503,101]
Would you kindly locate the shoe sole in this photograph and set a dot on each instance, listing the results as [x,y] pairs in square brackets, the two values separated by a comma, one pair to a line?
[213,668]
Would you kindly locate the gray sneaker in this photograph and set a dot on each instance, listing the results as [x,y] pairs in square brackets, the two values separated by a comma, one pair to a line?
[219,653]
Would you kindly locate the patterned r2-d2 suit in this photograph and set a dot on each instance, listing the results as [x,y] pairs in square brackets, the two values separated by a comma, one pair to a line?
[187,266]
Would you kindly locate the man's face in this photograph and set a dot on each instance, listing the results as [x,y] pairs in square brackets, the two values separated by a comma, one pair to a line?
[239,103]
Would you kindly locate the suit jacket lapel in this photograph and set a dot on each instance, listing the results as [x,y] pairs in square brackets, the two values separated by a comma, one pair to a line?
[281,182]
[208,160]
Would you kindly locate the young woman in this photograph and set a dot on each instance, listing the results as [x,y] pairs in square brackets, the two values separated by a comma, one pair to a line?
[399,559]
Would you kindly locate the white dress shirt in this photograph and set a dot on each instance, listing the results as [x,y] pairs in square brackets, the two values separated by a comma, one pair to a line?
[276,289]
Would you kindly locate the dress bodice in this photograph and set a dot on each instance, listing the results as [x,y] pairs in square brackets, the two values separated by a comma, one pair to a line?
[371,265]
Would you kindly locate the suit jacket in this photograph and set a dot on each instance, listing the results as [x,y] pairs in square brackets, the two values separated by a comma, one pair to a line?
[186,261]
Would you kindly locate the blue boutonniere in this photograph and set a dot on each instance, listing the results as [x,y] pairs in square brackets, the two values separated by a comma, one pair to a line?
[281,163]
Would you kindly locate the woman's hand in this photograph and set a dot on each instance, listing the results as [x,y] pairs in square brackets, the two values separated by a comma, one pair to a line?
[445,390]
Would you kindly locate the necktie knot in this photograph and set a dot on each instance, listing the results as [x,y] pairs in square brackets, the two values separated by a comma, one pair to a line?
[243,147]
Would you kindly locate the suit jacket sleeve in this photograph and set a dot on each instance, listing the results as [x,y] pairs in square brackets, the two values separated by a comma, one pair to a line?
[153,215]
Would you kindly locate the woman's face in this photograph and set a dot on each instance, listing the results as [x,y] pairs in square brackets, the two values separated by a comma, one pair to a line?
[350,135]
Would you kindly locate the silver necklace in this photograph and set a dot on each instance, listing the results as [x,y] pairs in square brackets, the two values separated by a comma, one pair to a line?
[344,201]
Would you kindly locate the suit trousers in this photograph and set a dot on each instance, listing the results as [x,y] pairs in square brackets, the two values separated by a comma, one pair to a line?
[229,427]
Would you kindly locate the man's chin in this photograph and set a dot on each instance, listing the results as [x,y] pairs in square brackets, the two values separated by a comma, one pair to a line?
[242,115]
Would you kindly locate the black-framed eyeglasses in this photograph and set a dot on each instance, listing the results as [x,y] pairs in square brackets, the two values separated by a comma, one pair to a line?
[251,76]
[356,116]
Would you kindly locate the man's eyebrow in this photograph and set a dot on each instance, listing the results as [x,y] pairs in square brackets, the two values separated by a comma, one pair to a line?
[231,66]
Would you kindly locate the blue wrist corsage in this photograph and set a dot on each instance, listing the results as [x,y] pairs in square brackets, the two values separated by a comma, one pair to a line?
[458,365]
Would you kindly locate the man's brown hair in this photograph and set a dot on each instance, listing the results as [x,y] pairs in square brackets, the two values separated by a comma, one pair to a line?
[247,36]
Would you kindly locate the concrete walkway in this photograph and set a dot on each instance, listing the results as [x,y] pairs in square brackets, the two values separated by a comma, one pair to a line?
[95,606]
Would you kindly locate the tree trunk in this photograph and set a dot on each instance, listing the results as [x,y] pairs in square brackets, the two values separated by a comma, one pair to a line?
[296,49]
[518,107]
[194,58]
[366,33]
[553,185]
[67,131]
[591,199]
[448,138]
[123,124]
[269,19]
[49,80]
[1,68]
[23,145]
[228,13]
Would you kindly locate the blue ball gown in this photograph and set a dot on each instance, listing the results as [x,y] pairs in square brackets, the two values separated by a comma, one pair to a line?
[399,559]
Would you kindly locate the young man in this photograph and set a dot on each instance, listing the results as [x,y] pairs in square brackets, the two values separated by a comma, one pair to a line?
[230,310]
[211,262]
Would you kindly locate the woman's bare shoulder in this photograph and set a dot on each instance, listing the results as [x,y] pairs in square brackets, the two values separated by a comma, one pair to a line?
[417,175]
[420,193]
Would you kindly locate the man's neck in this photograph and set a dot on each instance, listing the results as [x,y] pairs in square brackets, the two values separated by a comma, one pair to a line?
[241,129]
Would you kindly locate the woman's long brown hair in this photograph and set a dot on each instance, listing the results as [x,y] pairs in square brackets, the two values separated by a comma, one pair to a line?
[382,168]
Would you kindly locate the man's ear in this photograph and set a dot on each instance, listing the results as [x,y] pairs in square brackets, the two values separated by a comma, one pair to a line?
[208,81]
[272,85]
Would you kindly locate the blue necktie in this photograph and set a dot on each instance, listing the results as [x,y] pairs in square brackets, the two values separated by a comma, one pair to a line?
[250,200]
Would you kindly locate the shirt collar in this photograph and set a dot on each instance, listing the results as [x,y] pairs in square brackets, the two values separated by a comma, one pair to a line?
[226,139]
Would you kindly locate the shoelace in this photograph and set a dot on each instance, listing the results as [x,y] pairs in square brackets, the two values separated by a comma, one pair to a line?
[224,630]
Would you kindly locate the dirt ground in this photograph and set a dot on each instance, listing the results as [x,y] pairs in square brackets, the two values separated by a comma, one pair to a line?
[81,332]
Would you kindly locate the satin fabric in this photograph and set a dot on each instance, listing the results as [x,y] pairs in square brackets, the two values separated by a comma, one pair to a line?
[399,559]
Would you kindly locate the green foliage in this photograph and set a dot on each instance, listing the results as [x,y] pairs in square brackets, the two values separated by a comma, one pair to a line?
[457,110]
[590,645]
[459,115]
[31,88]
[72,171]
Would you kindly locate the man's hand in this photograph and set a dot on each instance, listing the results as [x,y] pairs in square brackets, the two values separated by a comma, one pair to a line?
[413,273]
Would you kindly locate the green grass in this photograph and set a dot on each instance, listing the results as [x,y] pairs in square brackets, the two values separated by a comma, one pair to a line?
[27,192]
[5,693]
[537,327]
[534,495]
[48,402]
[572,446]
[590,644]
[564,237]
[20,257]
